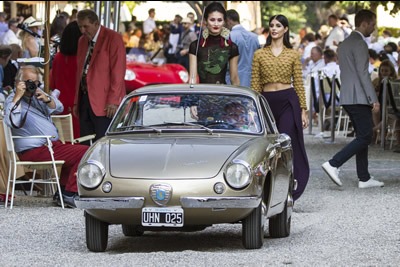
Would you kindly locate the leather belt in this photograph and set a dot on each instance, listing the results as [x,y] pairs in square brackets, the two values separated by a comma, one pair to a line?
[24,151]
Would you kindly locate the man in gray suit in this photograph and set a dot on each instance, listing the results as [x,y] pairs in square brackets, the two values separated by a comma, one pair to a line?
[247,43]
[358,98]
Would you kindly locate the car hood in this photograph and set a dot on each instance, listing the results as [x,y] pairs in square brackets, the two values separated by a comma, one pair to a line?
[171,158]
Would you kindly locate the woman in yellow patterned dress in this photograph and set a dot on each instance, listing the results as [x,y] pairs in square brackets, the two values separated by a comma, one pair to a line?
[277,75]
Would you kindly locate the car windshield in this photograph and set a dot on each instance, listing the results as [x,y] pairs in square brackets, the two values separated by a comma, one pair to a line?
[209,113]
[138,55]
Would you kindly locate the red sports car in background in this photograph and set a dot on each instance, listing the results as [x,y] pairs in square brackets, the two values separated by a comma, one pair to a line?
[141,72]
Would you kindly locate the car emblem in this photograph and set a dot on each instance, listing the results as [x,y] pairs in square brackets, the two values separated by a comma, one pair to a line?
[161,193]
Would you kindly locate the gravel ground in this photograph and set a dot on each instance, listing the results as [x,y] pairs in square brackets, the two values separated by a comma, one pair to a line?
[333,226]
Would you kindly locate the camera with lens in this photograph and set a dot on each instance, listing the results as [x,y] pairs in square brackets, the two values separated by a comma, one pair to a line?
[31,86]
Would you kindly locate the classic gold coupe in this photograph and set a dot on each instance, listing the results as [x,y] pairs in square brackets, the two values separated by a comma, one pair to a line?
[187,157]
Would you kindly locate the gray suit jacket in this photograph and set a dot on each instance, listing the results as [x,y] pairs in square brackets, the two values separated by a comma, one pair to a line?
[356,82]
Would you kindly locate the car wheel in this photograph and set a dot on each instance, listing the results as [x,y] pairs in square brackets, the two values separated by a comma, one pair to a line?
[279,225]
[96,234]
[253,229]
[131,230]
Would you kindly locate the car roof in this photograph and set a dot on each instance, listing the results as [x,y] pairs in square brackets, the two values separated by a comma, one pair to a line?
[195,88]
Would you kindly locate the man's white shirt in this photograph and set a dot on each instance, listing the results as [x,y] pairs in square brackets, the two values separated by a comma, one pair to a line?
[336,35]
[10,38]
[149,25]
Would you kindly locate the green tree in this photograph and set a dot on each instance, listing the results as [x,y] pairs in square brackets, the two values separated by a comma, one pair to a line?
[372,5]
[132,4]
[301,14]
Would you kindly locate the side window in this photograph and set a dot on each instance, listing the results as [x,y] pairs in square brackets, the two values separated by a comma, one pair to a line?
[269,118]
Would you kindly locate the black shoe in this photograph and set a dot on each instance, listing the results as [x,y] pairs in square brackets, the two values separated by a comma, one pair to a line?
[56,199]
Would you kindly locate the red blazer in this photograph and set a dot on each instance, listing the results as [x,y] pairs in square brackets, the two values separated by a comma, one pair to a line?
[105,78]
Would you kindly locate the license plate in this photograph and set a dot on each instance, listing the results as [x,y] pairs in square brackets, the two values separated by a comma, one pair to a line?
[171,216]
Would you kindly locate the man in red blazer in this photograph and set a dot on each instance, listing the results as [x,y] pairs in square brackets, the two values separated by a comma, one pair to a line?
[100,81]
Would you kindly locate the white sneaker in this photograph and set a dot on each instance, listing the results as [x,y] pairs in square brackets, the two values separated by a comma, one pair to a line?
[332,172]
[370,183]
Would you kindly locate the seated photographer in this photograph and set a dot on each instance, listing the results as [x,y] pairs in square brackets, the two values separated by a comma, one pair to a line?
[27,112]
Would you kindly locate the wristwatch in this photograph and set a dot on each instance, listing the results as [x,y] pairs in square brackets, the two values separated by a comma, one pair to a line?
[48,100]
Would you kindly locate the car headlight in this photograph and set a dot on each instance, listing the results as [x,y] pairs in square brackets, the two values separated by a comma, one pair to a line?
[130,75]
[238,174]
[91,174]
[184,76]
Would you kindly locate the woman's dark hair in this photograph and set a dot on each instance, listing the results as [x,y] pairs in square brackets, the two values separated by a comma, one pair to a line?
[214,6]
[393,46]
[372,54]
[383,56]
[58,25]
[285,23]
[69,39]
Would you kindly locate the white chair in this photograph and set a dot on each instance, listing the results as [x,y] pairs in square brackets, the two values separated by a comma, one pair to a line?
[346,121]
[340,114]
[66,130]
[53,177]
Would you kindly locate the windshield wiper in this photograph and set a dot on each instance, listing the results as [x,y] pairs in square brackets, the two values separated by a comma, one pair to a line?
[142,127]
[191,124]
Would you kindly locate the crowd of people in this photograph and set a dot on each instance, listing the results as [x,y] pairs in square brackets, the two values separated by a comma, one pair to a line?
[90,60]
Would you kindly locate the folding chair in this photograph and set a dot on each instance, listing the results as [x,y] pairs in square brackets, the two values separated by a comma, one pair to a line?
[340,114]
[34,165]
[66,130]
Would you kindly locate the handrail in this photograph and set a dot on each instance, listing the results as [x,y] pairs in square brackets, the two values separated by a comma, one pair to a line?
[333,108]
[310,118]
[383,121]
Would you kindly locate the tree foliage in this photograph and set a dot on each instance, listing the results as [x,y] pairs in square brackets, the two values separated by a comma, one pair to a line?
[132,4]
[372,5]
[313,14]
[301,14]
[198,6]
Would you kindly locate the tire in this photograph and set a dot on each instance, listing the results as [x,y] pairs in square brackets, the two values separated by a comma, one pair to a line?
[131,230]
[96,234]
[279,225]
[253,229]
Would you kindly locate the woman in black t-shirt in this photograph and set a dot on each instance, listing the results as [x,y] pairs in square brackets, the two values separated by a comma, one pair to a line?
[215,51]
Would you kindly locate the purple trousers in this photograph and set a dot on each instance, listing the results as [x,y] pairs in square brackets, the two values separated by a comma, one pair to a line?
[286,109]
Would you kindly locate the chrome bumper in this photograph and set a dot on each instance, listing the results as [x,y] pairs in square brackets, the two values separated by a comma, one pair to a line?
[111,203]
[221,202]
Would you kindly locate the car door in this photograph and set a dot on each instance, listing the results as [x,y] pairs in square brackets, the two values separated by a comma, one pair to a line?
[280,158]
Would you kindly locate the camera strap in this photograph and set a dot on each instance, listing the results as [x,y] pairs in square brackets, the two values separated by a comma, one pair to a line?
[24,117]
